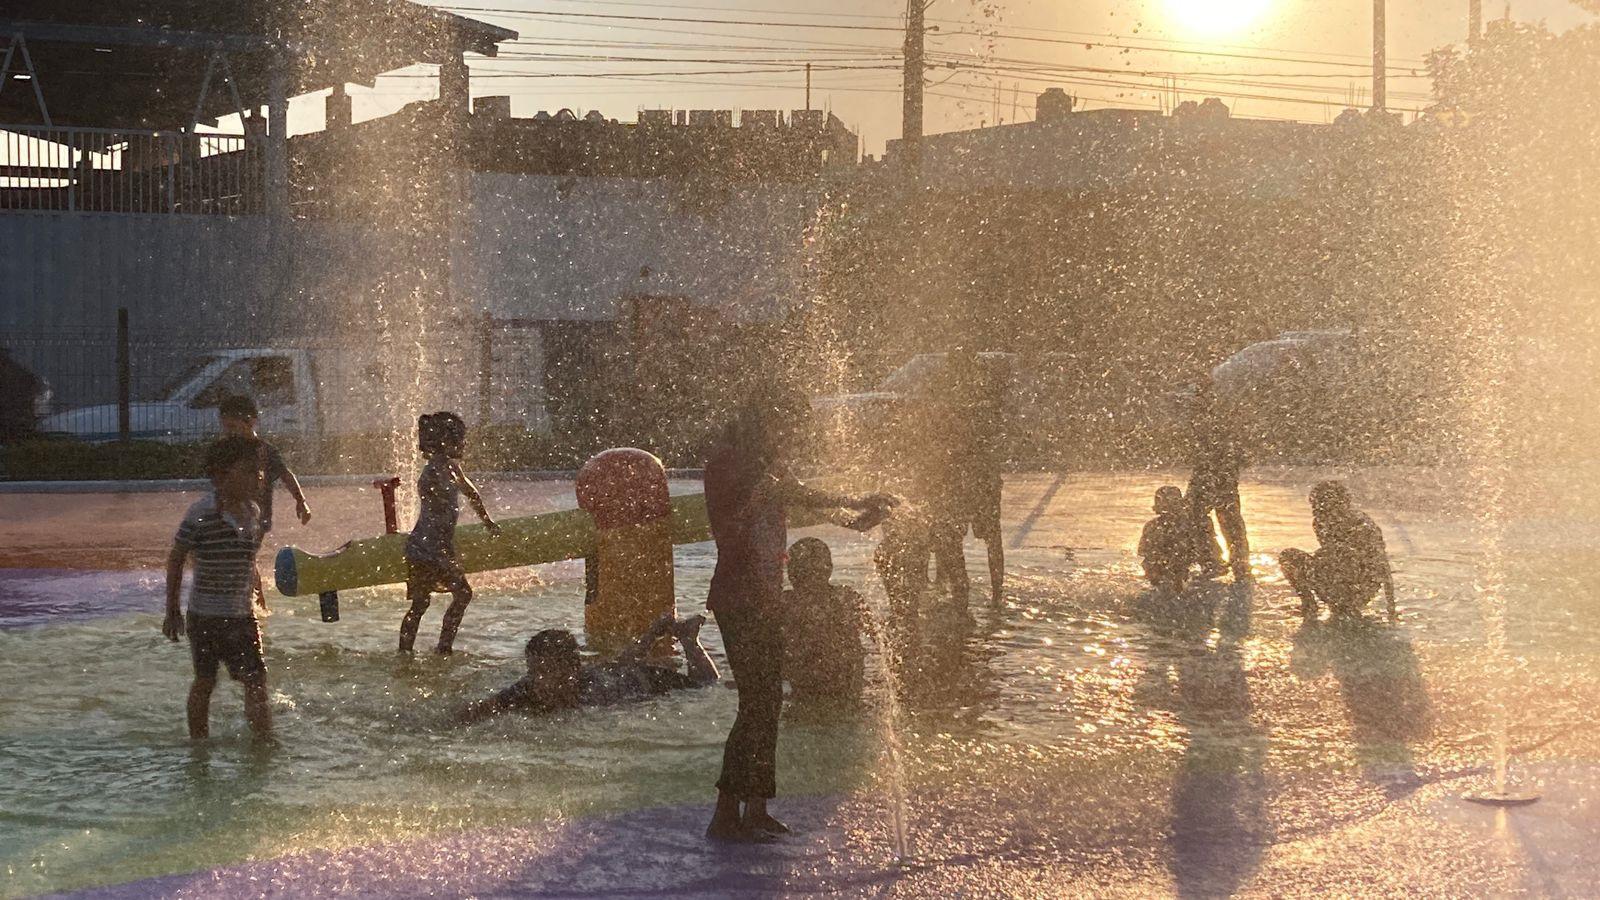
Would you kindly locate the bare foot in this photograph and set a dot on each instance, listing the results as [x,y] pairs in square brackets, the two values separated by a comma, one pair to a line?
[728,830]
[765,822]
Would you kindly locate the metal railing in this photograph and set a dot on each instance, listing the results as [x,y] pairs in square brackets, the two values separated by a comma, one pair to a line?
[117,170]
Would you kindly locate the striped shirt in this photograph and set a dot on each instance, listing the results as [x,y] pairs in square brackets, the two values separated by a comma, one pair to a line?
[224,551]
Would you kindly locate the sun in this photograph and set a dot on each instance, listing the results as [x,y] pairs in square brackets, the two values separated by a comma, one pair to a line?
[1216,18]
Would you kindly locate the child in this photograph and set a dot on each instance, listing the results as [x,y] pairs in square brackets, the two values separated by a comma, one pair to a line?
[431,562]
[558,679]
[1351,563]
[223,533]
[823,623]
[238,415]
[1167,545]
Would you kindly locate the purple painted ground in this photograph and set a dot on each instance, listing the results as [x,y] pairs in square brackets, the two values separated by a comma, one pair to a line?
[38,596]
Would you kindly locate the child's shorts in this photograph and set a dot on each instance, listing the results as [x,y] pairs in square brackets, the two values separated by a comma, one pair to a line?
[232,641]
[444,577]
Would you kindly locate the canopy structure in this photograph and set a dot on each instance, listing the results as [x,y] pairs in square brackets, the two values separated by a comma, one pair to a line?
[166,64]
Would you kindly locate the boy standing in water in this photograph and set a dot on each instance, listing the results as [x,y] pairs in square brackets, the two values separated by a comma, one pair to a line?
[431,561]
[222,532]
[1167,546]
[238,415]
[1214,484]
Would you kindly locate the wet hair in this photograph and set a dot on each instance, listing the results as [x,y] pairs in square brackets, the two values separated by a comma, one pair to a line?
[807,555]
[1168,495]
[441,432]
[238,406]
[1331,494]
[226,453]
[552,642]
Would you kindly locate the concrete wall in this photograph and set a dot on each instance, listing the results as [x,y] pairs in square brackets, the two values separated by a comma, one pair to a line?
[530,248]
[549,247]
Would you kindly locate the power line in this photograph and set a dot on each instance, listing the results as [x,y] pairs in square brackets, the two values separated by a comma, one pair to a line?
[1091,45]
[542,14]
[664,74]
[994,32]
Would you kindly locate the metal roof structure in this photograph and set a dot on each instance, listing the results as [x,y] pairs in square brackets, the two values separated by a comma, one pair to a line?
[153,64]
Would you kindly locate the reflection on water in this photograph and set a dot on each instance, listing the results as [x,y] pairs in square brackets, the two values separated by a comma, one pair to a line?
[1087,721]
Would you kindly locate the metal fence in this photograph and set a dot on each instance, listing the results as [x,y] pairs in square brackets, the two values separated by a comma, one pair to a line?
[103,170]
[122,383]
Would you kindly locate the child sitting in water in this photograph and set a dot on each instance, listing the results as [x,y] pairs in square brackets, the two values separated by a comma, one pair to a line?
[431,561]
[1167,545]
[823,623]
[222,532]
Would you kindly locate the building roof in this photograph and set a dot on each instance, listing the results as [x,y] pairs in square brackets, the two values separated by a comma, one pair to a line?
[140,64]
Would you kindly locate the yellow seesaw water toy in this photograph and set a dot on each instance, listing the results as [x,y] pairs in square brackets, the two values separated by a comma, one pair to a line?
[524,541]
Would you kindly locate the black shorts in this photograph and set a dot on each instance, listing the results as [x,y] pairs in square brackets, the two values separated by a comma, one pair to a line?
[1214,489]
[232,641]
[983,507]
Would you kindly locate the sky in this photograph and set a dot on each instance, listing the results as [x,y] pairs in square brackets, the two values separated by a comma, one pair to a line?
[1287,59]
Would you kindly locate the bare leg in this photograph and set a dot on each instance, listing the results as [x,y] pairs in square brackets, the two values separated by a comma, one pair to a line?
[950,562]
[997,569]
[199,707]
[452,618]
[1297,568]
[726,822]
[256,709]
[1230,520]
[419,597]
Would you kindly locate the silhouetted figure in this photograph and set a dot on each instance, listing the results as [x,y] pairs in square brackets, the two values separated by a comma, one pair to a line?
[19,392]
[904,547]
[557,678]
[748,491]
[238,415]
[824,660]
[980,428]
[431,561]
[1167,546]
[1214,484]
[1350,564]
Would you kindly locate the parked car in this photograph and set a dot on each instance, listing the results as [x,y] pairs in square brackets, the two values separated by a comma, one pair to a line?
[302,393]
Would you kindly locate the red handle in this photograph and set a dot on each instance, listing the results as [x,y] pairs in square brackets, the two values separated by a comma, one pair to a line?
[387,486]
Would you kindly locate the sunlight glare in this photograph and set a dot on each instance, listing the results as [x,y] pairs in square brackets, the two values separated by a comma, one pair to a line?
[1215,18]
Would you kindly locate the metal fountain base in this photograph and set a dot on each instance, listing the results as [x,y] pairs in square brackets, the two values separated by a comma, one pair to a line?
[1501,799]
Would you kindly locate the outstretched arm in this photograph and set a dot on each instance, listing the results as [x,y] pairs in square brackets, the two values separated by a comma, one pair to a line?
[794,492]
[473,497]
[487,708]
[1388,588]
[641,645]
[701,669]
[301,507]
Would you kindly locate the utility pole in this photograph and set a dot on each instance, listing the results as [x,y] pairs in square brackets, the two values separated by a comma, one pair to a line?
[1380,57]
[911,119]
[1474,21]
[808,87]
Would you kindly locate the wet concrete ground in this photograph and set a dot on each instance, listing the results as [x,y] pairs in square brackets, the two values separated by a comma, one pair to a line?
[1083,740]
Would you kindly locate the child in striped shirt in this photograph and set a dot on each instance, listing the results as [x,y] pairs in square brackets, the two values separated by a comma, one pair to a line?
[222,533]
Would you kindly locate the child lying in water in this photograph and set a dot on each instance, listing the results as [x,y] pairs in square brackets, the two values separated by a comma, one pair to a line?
[558,679]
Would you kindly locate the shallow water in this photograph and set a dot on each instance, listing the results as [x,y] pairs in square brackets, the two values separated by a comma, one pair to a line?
[1084,728]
